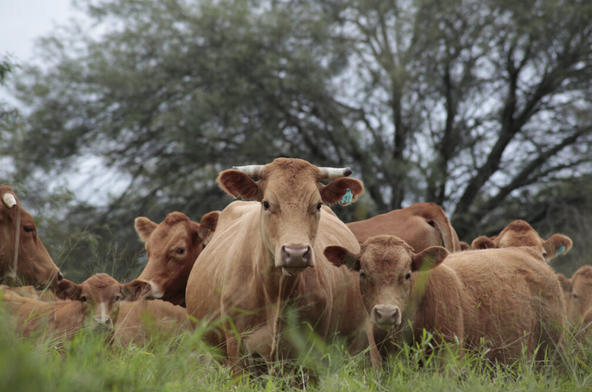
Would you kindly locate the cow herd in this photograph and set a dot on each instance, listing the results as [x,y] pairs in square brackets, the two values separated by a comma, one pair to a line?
[374,284]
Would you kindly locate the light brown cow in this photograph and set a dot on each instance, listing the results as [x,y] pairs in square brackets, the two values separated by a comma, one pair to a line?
[172,247]
[274,253]
[142,321]
[31,292]
[401,287]
[95,305]
[578,293]
[520,233]
[420,225]
[29,262]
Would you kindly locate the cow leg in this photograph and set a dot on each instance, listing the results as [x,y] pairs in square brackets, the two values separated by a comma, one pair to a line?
[233,353]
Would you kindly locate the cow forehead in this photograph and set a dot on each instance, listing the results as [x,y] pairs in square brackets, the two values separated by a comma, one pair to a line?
[386,256]
[287,177]
[520,238]
[165,234]
[101,287]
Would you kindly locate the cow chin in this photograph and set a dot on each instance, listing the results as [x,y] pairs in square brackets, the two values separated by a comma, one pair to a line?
[290,272]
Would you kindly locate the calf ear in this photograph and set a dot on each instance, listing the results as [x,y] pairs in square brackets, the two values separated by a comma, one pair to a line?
[428,258]
[464,246]
[208,224]
[236,183]
[557,245]
[342,190]
[564,282]
[338,256]
[482,242]
[68,290]
[144,227]
[136,289]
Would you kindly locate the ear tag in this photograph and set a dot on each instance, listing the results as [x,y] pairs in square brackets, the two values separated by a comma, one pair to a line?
[348,197]
[560,250]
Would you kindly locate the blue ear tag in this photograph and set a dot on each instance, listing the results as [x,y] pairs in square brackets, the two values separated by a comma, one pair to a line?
[348,197]
[560,250]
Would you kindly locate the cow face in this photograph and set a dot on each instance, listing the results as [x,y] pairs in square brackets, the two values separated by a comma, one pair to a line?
[291,197]
[33,264]
[520,233]
[100,297]
[388,275]
[172,248]
[580,293]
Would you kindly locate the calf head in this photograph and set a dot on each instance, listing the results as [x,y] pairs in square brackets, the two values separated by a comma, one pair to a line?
[520,233]
[33,263]
[388,270]
[172,247]
[291,196]
[100,297]
[579,289]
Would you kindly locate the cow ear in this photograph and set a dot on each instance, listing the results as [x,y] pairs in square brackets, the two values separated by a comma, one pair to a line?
[68,290]
[144,228]
[564,282]
[338,256]
[464,246]
[482,242]
[236,183]
[342,190]
[428,258]
[208,224]
[136,289]
[557,245]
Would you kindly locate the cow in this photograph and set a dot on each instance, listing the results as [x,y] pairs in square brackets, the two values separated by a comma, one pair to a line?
[94,305]
[23,258]
[578,293]
[520,233]
[172,247]
[142,321]
[420,225]
[46,295]
[271,256]
[512,300]
[405,293]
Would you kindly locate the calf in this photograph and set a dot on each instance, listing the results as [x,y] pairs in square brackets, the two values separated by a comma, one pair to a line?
[95,305]
[172,247]
[520,233]
[404,291]
[578,293]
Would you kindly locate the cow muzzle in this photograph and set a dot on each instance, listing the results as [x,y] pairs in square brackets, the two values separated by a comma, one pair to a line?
[103,324]
[295,258]
[386,316]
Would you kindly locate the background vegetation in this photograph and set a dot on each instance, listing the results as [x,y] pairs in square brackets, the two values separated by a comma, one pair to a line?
[483,107]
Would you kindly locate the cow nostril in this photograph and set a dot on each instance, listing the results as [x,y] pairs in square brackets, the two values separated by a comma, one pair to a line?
[306,255]
[60,277]
[101,320]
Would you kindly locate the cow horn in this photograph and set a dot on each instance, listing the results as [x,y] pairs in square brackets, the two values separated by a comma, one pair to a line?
[252,170]
[9,200]
[335,172]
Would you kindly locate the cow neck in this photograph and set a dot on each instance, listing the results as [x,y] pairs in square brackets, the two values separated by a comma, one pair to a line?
[8,271]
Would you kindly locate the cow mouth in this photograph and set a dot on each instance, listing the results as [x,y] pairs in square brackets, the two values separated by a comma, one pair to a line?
[386,327]
[289,272]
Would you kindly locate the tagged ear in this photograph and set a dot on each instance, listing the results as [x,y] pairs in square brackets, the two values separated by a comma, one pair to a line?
[144,228]
[464,246]
[208,224]
[564,282]
[237,183]
[428,258]
[556,245]
[482,242]
[136,289]
[338,256]
[68,290]
[342,190]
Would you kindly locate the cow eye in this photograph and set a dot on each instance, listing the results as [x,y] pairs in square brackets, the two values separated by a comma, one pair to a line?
[181,251]
[118,298]
[319,206]
[28,229]
[575,296]
[408,275]
[362,275]
[83,298]
[266,205]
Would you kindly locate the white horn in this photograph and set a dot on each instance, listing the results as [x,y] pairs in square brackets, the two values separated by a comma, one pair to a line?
[335,172]
[9,200]
[252,170]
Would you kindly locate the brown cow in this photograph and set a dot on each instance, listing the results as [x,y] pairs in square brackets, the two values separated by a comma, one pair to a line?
[520,233]
[29,263]
[31,292]
[172,247]
[420,225]
[263,259]
[95,305]
[402,288]
[578,292]
[140,322]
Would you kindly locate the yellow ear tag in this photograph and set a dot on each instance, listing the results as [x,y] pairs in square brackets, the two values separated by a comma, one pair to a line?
[348,197]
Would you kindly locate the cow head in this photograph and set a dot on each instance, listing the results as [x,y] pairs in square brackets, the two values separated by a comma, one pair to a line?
[172,247]
[520,233]
[33,263]
[580,293]
[291,197]
[100,297]
[388,270]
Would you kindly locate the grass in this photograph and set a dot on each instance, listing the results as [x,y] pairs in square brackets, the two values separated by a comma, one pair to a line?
[183,363]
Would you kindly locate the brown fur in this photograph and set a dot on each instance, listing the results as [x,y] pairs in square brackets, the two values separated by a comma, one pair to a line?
[242,275]
[520,233]
[421,225]
[34,264]
[167,270]
[578,293]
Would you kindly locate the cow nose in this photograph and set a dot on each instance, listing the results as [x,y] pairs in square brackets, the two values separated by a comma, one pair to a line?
[386,315]
[60,277]
[103,320]
[296,256]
